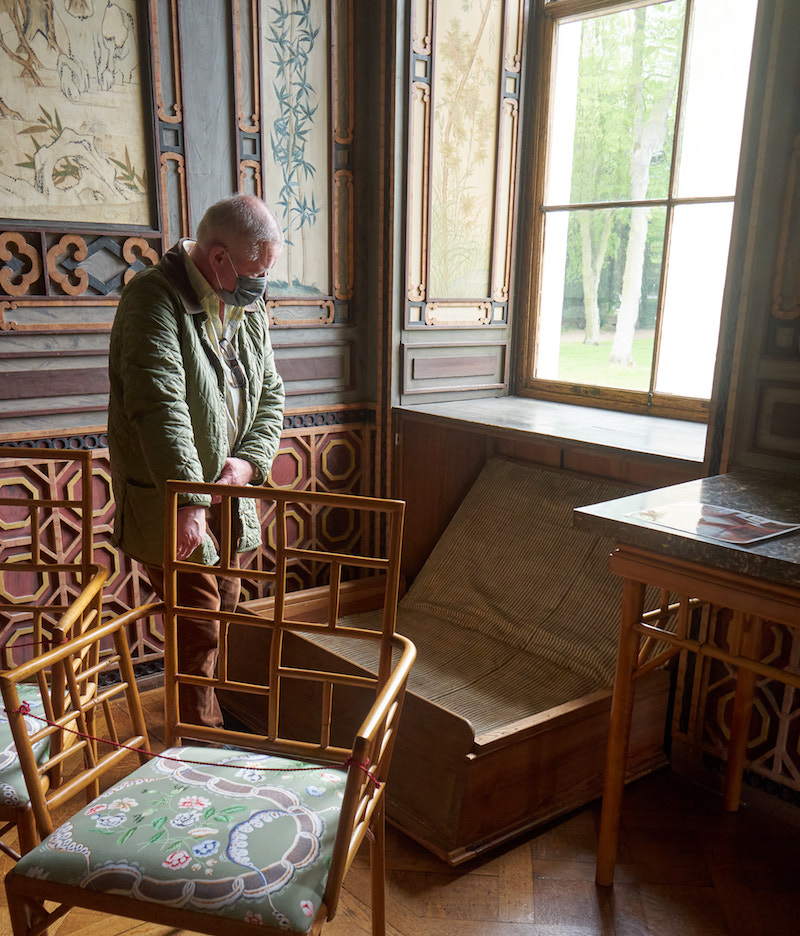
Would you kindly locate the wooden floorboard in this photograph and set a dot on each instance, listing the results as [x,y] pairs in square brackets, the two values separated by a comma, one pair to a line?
[686,868]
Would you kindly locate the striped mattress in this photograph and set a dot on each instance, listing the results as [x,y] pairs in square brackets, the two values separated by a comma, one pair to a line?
[515,611]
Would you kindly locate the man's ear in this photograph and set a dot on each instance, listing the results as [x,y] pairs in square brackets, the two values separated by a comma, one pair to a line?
[216,253]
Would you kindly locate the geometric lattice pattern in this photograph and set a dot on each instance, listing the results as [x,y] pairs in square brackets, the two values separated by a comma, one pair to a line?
[45,544]
[704,703]
[327,452]
[325,458]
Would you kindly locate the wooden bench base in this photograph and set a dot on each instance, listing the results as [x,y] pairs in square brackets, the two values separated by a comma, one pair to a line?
[460,795]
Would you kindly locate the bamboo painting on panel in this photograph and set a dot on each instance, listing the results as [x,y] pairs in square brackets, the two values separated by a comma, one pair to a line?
[72,120]
[296,122]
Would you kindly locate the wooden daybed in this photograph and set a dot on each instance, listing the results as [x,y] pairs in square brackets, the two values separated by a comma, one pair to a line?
[515,617]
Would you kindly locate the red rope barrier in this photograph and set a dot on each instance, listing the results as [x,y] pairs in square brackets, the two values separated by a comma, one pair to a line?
[33,643]
[351,761]
[25,709]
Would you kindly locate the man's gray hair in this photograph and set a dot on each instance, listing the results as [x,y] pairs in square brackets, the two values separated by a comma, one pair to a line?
[242,222]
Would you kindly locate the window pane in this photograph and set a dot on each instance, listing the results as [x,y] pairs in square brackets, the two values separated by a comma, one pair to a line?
[615,91]
[698,261]
[719,64]
[597,322]
[466,91]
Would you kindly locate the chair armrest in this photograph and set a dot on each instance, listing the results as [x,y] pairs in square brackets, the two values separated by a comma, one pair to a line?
[379,726]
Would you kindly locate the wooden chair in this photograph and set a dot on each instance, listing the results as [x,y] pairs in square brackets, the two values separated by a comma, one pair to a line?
[215,838]
[46,693]
[47,544]
[49,589]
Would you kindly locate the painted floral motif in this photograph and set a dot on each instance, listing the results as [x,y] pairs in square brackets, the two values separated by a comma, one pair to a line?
[193,802]
[109,822]
[206,848]
[123,805]
[185,820]
[177,859]
[212,833]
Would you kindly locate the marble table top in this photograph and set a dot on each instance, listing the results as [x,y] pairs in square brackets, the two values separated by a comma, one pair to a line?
[772,496]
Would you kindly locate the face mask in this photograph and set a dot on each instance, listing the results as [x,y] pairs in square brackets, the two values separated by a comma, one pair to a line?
[248,289]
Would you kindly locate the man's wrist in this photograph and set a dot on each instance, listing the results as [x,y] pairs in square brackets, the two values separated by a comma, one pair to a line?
[253,468]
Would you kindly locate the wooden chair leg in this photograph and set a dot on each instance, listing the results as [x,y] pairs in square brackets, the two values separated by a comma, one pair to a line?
[377,863]
[92,791]
[24,914]
[26,831]
[619,731]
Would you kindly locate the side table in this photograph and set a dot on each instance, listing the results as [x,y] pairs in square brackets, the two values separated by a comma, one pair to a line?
[758,582]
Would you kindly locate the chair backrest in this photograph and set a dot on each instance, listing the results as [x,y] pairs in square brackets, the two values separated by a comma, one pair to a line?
[47,545]
[314,707]
[288,518]
[48,694]
[93,725]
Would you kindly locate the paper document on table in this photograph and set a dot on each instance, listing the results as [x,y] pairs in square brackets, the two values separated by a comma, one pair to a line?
[713,522]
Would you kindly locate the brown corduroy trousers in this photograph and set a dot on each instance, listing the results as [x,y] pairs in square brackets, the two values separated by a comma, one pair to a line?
[198,640]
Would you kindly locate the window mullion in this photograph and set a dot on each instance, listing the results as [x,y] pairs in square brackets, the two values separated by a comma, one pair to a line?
[662,291]
[624,203]
[544,84]
[673,174]
[681,98]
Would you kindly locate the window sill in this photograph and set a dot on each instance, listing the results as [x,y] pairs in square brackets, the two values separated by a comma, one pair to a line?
[675,439]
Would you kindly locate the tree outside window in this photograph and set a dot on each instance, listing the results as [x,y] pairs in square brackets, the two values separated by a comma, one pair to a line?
[643,131]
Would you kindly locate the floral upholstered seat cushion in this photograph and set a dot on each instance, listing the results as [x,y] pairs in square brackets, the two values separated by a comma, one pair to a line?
[12,783]
[230,833]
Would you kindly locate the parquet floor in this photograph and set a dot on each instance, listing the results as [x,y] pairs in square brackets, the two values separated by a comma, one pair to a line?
[686,869]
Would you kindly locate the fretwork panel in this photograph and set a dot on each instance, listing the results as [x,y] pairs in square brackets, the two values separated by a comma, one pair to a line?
[320,451]
[704,707]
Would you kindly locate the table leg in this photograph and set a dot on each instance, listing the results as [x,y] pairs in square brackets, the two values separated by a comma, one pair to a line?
[619,730]
[740,722]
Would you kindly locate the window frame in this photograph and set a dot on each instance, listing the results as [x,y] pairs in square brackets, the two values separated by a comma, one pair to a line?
[548,15]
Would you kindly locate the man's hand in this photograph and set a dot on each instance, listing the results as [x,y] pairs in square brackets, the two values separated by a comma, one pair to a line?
[236,472]
[191,528]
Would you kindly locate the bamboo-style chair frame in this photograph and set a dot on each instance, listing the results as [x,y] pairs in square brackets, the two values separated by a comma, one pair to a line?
[366,760]
[52,621]
[38,509]
[70,721]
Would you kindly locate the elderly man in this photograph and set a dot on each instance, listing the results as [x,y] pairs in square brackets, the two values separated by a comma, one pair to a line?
[195,397]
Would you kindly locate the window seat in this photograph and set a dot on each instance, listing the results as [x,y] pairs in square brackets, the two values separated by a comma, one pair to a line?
[675,439]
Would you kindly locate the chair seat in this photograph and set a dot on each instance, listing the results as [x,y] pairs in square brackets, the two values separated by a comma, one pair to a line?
[192,838]
[12,783]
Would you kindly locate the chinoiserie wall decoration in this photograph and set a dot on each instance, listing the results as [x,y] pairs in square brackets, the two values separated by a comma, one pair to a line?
[106,163]
[295,138]
[465,83]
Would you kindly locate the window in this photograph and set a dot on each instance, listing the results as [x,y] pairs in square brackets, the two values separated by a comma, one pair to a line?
[640,113]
